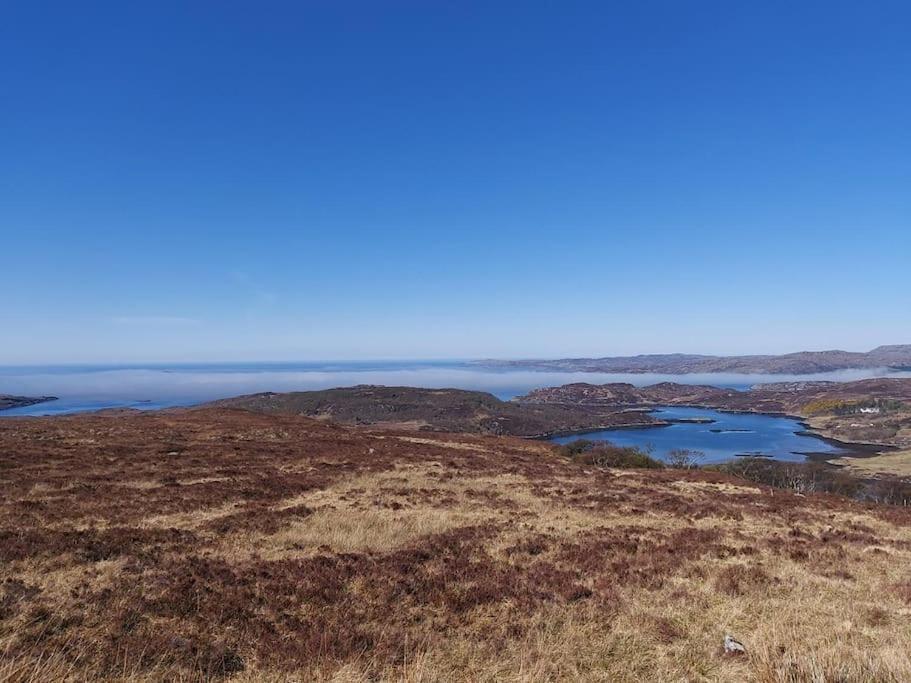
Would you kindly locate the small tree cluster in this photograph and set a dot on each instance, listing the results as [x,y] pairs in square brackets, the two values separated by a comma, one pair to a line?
[606,454]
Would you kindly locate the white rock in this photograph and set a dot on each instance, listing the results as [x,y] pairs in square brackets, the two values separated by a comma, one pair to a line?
[733,646]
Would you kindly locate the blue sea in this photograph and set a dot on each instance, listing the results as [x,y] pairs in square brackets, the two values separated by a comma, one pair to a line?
[150,386]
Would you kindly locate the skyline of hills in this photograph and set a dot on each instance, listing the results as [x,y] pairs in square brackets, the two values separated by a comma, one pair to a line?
[802,362]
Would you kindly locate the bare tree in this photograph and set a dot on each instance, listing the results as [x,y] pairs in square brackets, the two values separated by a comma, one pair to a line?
[684,458]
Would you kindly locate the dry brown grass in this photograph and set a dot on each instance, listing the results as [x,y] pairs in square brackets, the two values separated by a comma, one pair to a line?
[897,463]
[224,545]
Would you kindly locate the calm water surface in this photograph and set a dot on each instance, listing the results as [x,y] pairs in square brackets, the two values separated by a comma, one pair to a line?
[149,386]
[730,435]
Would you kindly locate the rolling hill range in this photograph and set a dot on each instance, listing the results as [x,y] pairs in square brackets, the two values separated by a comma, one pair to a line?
[803,362]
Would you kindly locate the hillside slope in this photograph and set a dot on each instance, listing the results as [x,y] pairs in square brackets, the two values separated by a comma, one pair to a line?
[453,410]
[207,544]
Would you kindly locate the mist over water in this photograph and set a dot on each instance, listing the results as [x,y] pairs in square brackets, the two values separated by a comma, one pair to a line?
[83,388]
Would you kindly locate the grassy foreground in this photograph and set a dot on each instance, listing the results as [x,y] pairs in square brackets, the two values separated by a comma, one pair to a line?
[221,544]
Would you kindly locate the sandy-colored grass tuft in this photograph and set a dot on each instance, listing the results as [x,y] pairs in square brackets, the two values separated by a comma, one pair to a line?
[357,531]
[896,463]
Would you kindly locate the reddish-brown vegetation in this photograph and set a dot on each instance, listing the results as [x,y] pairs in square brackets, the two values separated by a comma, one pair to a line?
[225,544]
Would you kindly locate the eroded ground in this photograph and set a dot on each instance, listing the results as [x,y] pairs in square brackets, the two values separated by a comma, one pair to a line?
[219,543]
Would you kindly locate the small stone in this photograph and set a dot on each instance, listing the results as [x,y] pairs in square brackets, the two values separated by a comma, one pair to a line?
[733,646]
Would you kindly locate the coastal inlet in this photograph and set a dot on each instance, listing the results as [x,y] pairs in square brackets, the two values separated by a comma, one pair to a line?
[718,435]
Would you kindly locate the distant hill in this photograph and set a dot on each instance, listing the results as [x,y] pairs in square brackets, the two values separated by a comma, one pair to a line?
[803,362]
[773,397]
[450,410]
[7,402]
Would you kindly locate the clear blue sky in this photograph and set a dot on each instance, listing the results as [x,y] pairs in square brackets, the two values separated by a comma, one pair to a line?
[311,180]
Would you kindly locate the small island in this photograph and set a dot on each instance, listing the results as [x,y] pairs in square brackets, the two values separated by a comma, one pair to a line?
[8,402]
[692,421]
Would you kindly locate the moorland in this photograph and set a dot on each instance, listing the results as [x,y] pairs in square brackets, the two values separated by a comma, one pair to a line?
[226,544]
[452,410]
